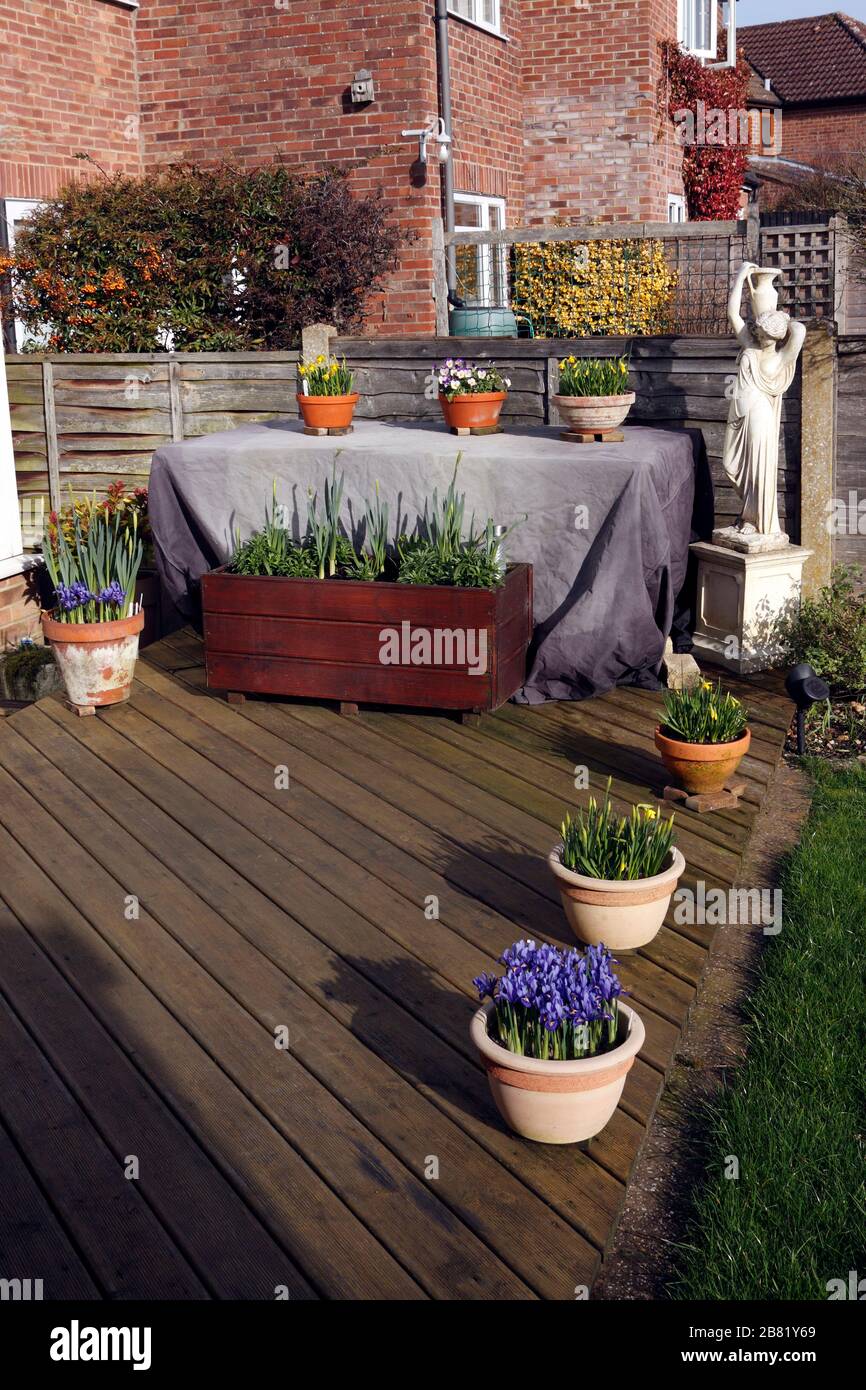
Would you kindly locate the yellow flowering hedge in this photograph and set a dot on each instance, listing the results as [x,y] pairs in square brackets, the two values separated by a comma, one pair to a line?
[572,289]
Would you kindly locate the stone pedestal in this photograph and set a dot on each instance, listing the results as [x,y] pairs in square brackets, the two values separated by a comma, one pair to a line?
[741,596]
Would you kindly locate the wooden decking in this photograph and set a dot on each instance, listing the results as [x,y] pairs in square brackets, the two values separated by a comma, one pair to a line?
[255,1000]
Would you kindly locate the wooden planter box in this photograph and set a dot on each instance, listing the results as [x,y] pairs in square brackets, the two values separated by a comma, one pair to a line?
[337,639]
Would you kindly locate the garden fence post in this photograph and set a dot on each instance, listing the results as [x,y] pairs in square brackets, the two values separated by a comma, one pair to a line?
[51,447]
[440,279]
[818,452]
[175,401]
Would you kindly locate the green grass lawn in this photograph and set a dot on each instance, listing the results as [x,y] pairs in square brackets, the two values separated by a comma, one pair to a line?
[795,1114]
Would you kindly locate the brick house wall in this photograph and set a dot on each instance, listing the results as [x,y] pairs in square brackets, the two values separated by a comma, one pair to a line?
[818,134]
[595,143]
[67,84]
[19,609]
[256,80]
[487,115]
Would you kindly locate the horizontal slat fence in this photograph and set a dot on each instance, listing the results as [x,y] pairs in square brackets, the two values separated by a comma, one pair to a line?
[680,383]
[88,419]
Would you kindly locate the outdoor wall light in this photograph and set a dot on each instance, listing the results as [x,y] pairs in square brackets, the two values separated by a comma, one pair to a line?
[804,688]
[434,131]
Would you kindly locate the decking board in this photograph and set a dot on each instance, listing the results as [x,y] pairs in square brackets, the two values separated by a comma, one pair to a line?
[262,906]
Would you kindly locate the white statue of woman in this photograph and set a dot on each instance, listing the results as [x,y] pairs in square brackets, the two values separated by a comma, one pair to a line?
[770,344]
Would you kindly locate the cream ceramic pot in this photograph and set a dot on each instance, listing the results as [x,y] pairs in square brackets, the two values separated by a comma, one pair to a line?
[622,914]
[594,414]
[558,1102]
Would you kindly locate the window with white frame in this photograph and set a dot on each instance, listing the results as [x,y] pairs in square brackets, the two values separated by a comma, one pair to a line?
[482,12]
[676,207]
[482,270]
[14,212]
[697,27]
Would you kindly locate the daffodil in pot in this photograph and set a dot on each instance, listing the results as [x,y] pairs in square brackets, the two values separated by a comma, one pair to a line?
[616,874]
[95,625]
[326,399]
[704,736]
[594,395]
[471,394]
[556,1040]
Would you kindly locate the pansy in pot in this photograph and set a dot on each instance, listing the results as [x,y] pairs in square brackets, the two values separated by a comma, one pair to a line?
[471,394]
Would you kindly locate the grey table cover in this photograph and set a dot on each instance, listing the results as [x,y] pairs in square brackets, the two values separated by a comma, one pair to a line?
[607,530]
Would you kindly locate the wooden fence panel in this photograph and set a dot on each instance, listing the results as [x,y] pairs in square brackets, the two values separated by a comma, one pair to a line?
[111,411]
[850,483]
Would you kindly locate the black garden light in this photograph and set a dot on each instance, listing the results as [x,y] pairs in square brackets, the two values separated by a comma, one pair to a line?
[805,689]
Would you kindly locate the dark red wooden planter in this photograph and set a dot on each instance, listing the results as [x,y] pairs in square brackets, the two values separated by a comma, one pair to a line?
[323,639]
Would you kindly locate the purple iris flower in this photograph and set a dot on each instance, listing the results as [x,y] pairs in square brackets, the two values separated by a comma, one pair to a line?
[112,594]
[72,596]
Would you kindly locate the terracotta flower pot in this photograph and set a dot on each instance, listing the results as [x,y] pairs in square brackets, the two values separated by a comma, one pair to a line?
[96,660]
[594,414]
[477,412]
[328,412]
[623,913]
[558,1102]
[702,767]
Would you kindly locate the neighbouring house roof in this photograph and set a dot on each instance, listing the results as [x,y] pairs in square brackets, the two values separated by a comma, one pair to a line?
[809,60]
[758,94]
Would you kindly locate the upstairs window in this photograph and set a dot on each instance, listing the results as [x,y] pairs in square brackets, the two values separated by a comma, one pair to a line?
[697,27]
[484,13]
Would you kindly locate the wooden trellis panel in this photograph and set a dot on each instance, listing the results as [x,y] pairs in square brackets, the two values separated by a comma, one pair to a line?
[806,257]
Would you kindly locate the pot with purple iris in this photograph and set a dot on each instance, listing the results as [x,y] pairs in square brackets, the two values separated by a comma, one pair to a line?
[556,1040]
[95,625]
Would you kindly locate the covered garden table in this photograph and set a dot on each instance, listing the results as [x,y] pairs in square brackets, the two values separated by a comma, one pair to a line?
[607,526]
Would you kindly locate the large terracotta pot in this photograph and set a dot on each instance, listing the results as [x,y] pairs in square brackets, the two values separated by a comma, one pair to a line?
[328,412]
[702,767]
[558,1102]
[623,914]
[477,412]
[96,660]
[594,414]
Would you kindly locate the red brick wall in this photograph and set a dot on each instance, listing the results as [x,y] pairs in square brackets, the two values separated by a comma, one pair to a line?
[487,110]
[19,609]
[595,146]
[254,80]
[820,134]
[67,84]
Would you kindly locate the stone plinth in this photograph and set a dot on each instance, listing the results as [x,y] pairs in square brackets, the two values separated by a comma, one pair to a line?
[741,597]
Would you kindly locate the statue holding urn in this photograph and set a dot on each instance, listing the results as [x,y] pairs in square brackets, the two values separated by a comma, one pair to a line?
[770,343]
[750,576]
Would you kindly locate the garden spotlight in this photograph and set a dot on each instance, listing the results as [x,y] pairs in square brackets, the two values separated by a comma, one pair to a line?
[804,688]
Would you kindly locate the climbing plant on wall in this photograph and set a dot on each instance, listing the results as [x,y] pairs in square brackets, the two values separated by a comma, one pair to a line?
[707,106]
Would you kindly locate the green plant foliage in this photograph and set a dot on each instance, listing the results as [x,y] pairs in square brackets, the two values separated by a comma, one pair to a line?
[442,556]
[220,258]
[593,376]
[601,844]
[829,632]
[704,714]
[21,663]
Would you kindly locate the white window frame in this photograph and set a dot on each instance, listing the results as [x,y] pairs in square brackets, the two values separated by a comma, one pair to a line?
[13,211]
[485,254]
[476,15]
[677,211]
[687,11]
